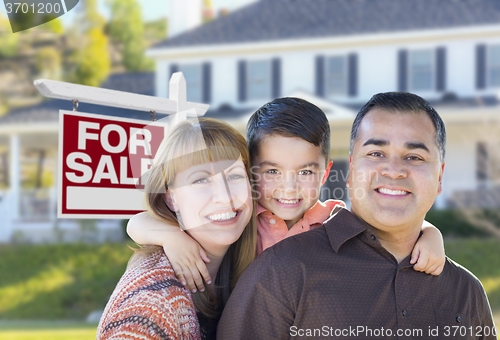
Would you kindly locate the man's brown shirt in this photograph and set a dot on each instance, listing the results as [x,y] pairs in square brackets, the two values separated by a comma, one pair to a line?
[337,281]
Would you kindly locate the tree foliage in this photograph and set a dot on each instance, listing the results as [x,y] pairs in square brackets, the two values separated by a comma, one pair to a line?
[127,28]
[55,26]
[9,42]
[48,62]
[92,59]
[93,63]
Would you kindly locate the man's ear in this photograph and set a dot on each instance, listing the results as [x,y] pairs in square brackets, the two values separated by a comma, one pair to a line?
[348,176]
[440,188]
[170,201]
[327,172]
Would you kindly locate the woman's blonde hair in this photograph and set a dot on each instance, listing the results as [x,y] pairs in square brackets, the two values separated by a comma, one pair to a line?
[192,143]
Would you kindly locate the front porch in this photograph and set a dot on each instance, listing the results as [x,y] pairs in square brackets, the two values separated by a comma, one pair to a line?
[28,192]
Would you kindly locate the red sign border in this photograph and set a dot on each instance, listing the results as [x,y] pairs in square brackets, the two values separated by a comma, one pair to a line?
[107,214]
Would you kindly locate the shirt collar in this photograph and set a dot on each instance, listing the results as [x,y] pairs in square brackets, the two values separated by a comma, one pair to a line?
[342,226]
[260,209]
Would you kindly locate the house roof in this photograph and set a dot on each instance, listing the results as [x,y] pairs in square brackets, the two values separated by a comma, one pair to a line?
[48,110]
[268,20]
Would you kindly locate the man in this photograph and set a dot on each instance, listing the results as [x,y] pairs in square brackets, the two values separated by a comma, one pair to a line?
[352,277]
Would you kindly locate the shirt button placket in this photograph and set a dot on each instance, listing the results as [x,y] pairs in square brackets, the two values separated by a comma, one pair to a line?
[402,299]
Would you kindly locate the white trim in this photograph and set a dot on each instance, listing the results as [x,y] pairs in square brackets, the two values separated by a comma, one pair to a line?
[15,174]
[27,127]
[326,42]
[125,100]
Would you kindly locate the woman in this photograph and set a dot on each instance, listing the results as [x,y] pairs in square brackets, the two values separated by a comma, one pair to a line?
[200,182]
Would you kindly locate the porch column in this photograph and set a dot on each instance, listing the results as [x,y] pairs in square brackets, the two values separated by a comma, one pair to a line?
[15,175]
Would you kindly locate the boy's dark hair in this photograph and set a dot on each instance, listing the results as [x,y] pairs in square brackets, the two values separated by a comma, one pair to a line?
[289,117]
[402,102]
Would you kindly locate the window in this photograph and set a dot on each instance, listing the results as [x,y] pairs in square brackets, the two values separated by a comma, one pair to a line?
[258,79]
[336,76]
[487,164]
[335,185]
[193,75]
[421,70]
[494,65]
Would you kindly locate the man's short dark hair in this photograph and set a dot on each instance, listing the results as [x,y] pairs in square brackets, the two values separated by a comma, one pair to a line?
[289,117]
[402,102]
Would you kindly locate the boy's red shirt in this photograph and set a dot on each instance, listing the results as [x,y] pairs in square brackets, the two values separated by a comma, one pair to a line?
[271,229]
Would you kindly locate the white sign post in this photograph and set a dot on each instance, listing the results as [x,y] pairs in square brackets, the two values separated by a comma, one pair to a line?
[102,158]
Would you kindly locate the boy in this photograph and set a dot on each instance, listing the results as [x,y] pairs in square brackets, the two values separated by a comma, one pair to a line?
[289,145]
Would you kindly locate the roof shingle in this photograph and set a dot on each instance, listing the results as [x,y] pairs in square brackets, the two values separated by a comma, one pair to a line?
[269,20]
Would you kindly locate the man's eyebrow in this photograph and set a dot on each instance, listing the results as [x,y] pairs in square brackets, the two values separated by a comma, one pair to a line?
[416,145]
[408,145]
[377,142]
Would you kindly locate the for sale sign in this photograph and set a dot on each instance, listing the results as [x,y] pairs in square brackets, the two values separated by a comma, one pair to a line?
[102,162]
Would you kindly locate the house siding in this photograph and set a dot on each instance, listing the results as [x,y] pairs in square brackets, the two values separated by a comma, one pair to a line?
[377,71]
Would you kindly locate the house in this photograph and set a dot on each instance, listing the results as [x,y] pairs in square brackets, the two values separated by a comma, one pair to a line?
[28,169]
[343,52]
[334,53]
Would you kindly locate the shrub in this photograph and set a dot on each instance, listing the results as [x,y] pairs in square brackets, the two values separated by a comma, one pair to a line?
[451,222]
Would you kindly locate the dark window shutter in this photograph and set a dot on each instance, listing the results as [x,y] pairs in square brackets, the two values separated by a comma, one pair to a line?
[403,70]
[173,68]
[320,76]
[480,66]
[207,82]
[242,81]
[352,75]
[441,69]
[276,80]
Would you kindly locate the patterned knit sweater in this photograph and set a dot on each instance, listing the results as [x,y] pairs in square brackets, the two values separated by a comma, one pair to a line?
[149,303]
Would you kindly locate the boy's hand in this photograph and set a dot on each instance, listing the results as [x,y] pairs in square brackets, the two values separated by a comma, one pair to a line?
[428,254]
[188,261]
[184,253]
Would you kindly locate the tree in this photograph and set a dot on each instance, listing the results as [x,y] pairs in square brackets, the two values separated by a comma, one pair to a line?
[9,41]
[127,28]
[92,59]
[93,63]
[55,26]
[48,62]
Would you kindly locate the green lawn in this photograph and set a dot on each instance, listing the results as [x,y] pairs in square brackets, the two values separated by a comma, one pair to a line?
[68,281]
[47,330]
[61,281]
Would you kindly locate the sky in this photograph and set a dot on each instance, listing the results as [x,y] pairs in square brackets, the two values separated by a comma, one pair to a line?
[151,9]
